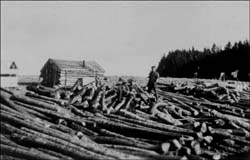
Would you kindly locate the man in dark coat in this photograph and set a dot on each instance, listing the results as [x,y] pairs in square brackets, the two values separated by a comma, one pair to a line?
[153,76]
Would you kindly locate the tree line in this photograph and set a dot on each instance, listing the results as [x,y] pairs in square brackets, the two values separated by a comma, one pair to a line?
[208,63]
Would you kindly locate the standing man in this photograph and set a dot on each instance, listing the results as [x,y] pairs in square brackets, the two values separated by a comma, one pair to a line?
[153,76]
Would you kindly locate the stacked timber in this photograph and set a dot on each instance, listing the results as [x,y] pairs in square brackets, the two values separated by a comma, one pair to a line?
[120,122]
[216,92]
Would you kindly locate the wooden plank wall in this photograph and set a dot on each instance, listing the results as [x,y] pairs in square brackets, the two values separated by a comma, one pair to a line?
[69,77]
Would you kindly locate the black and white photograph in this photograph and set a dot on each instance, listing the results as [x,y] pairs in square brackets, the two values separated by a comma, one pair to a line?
[125,80]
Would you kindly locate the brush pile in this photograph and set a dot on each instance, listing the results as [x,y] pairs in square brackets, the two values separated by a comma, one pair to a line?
[120,122]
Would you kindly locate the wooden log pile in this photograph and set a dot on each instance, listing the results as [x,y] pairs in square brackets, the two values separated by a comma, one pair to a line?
[120,122]
[216,92]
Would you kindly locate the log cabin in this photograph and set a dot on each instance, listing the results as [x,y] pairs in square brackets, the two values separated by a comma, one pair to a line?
[67,72]
[8,74]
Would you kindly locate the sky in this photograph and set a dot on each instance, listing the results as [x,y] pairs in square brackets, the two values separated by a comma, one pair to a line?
[124,37]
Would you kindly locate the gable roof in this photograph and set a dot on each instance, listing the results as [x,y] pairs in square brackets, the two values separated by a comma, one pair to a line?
[71,64]
[8,66]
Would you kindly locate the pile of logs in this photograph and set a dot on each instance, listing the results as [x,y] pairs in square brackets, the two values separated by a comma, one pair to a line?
[120,122]
[229,94]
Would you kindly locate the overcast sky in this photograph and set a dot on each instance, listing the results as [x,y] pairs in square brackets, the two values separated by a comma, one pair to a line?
[126,38]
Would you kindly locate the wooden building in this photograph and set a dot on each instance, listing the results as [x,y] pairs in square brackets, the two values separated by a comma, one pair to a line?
[66,72]
[8,74]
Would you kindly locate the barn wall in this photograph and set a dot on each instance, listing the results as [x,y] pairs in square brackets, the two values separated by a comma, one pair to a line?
[72,81]
[69,77]
[53,74]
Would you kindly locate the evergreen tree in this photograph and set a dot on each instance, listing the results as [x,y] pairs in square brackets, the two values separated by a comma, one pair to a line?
[184,63]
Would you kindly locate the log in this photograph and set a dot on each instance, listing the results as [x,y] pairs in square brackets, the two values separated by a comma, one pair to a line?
[150,141]
[91,146]
[103,104]
[127,104]
[196,147]
[236,132]
[69,145]
[5,98]
[110,92]
[234,119]
[165,147]
[104,132]
[25,123]
[130,148]
[121,141]
[186,107]
[10,157]
[184,151]
[90,94]
[30,101]
[221,134]
[128,114]
[167,118]
[79,112]
[8,109]
[19,116]
[173,108]
[59,102]
[119,105]
[111,106]
[42,100]
[61,115]
[7,141]
[196,157]
[143,132]
[63,128]
[164,116]
[65,149]
[177,144]
[82,129]
[77,98]
[24,153]
[227,149]
[26,108]
[148,156]
[212,154]
[56,154]
[96,98]
[153,124]
[50,142]
[142,114]
[111,98]
[41,90]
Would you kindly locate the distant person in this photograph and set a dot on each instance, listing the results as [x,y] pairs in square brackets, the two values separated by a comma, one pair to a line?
[222,76]
[235,75]
[196,74]
[122,89]
[97,81]
[153,76]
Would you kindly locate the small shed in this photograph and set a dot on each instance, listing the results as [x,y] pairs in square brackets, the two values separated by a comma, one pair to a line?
[67,72]
[8,74]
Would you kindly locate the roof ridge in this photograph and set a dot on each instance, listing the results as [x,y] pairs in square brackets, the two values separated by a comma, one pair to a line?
[90,64]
